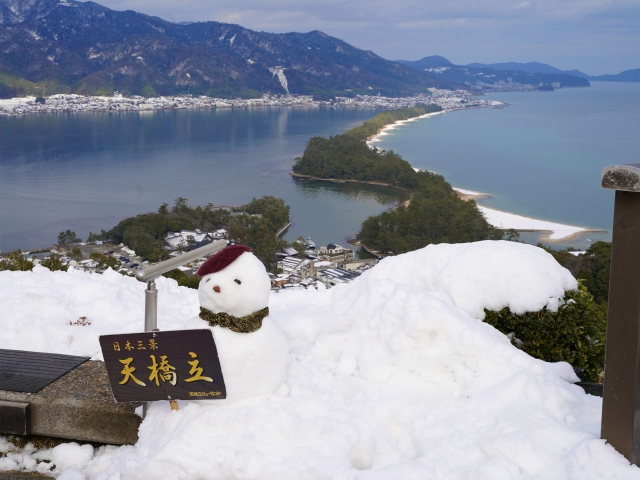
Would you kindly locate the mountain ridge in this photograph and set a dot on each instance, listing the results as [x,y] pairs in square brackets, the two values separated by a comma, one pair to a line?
[485,78]
[435,61]
[626,76]
[529,67]
[87,48]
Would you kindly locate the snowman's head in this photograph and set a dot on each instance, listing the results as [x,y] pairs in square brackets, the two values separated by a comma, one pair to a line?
[238,283]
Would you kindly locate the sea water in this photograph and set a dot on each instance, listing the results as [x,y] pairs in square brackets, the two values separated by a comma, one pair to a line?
[540,156]
[87,171]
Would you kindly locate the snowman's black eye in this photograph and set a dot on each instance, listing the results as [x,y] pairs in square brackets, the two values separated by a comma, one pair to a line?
[237,281]
[207,280]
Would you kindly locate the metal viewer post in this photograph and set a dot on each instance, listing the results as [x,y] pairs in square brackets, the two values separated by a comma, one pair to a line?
[149,275]
[621,394]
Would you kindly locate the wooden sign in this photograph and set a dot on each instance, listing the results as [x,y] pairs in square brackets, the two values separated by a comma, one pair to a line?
[173,365]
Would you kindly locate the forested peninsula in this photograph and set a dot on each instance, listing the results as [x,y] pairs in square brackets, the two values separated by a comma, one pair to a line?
[435,213]
[254,224]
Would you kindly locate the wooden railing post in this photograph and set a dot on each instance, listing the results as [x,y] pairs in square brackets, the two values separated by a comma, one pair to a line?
[621,394]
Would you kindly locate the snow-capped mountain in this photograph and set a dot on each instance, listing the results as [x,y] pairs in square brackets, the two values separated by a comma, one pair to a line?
[91,48]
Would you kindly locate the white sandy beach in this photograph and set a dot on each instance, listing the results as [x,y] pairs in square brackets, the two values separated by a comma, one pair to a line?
[385,130]
[555,232]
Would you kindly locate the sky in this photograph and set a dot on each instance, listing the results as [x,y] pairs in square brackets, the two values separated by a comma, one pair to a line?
[594,36]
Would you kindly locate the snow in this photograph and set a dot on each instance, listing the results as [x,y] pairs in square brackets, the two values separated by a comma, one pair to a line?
[279,71]
[483,275]
[390,376]
[71,455]
[16,102]
[506,220]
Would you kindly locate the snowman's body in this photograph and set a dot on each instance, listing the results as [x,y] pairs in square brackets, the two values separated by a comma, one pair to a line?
[253,364]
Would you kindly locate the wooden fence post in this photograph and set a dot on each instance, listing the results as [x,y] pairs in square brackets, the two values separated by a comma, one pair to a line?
[621,394]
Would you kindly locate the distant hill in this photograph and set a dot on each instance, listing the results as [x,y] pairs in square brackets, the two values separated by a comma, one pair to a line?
[530,67]
[626,76]
[427,62]
[65,45]
[477,73]
[537,67]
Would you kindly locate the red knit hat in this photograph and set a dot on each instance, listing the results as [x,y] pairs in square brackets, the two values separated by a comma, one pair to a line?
[222,259]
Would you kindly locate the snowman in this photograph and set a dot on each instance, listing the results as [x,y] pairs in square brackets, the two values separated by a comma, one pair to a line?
[234,294]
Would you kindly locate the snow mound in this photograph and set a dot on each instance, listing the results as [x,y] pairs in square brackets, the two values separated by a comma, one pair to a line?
[37,308]
[489,274]
[388,377]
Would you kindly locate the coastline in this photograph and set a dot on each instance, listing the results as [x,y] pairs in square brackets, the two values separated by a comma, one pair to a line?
[551,232]
[398,123]
[470,194]
[68,103]
[283,229]
[302,176]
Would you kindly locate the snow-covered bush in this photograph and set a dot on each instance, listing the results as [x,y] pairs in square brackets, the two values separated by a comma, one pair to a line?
[15,261]
[575,333]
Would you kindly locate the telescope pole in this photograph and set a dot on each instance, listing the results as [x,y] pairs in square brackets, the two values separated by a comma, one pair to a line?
[151,307]
[150,320]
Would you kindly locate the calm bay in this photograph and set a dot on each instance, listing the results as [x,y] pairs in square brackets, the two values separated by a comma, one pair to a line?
[89,171]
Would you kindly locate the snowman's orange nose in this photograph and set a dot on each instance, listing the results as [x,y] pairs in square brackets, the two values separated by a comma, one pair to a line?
[216,289]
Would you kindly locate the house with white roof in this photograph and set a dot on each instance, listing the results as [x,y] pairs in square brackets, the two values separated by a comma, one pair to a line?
[186,238]
[336,276]
[335,253]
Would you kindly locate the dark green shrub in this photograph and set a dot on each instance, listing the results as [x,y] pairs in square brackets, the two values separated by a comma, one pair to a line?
[592,267]
[182,279]
[75,254]
[574,334]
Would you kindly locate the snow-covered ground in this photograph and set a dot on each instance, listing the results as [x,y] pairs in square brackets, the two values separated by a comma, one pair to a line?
[391,377]
[15,102]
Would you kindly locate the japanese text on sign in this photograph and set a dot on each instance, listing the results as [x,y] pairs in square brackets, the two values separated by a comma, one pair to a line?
[163,365]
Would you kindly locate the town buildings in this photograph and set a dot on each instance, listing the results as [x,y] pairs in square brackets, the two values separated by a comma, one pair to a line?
[448,100]
[324,267]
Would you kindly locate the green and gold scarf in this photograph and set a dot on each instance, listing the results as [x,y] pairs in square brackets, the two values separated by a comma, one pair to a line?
[247,324]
